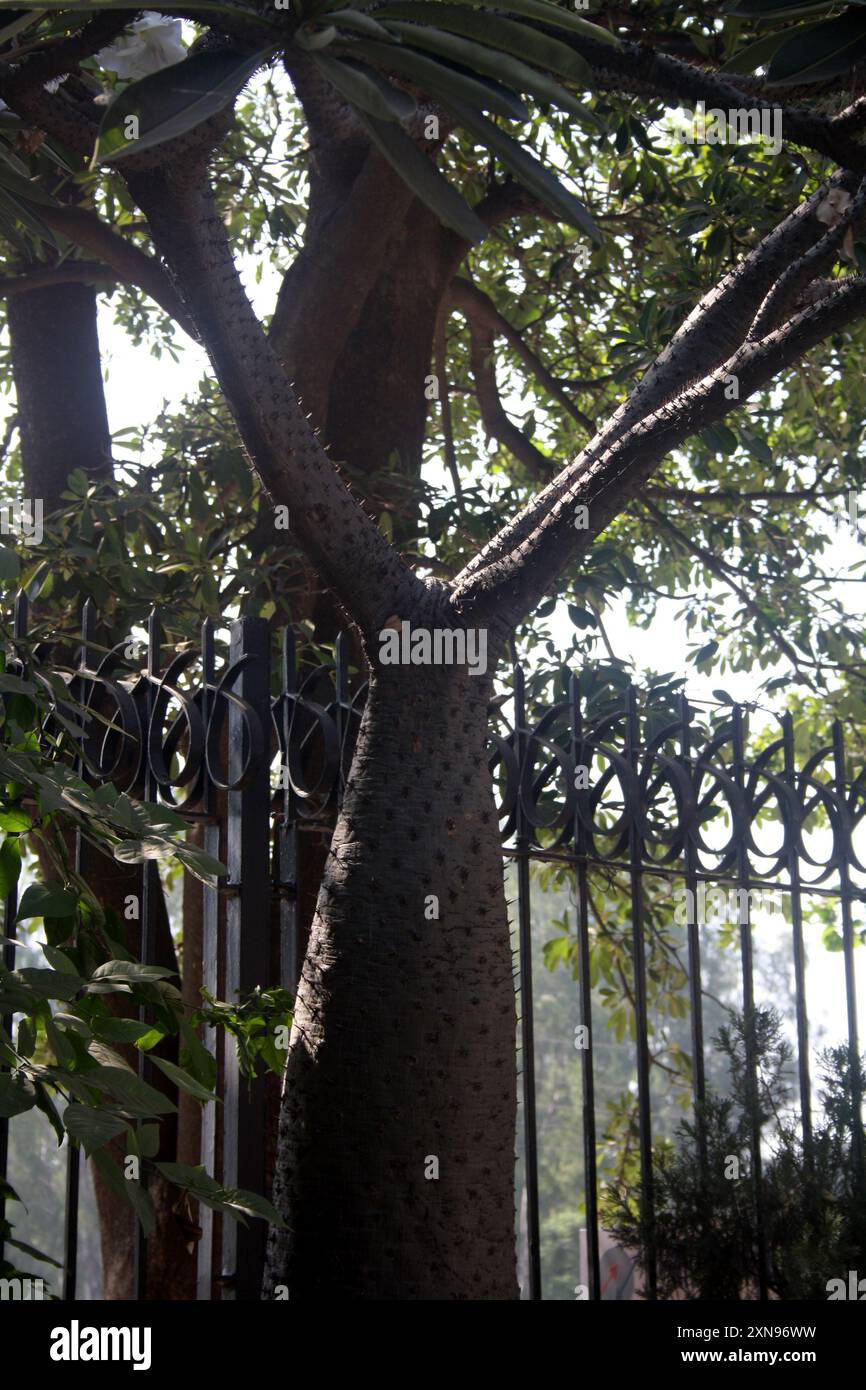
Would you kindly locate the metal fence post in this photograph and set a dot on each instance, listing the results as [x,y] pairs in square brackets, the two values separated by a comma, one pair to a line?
[247,936]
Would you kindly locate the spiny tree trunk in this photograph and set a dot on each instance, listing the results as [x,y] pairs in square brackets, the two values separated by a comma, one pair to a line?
[58,384]
[396,1147]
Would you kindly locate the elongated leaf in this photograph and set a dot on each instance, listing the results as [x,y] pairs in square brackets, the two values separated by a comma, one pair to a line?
[502,67]
[15,176]
[515,38]
[130,1191]
[32,1252]
[173,101]
[558,16]
[818,51]
[757,54]
[92,1128]
[205,6]
[17,1094]
[42,901]
[424,179]
[528,170]
[131,1093]
[21,214]
[365,88]
[130,972]
[23,22]
[10,866]
[442,81]
[357,23]
[233,1202]
[182,1079]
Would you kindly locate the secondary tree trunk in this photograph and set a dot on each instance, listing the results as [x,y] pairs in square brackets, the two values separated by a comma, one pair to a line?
[58,384]
[402,1058]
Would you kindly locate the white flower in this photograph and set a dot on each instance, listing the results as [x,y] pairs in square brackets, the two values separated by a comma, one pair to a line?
[151,43]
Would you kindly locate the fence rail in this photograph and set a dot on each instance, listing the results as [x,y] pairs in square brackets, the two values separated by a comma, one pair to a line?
[256,749]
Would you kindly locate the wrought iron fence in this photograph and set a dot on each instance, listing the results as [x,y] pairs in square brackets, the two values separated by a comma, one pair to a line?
[251,749]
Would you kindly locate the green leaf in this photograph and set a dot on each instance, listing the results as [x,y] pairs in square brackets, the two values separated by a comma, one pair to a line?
[311,40]
[518,39]
[40,900]
[21,214]
[365,88]
[51,984]
[15,821]
[130,1191]
[10,867]
[816,52]
[196,1057]
[92,1128]
[526,168]
[182,1079]
[32,1252]
[17,1094]
[511,72]
[173,101]
[49,1110]
[129,972]
[234,1202]
[10,565]
[557,16]
[26,1042]
[440,80]
[424,178]
[754,55]
[358,23]
[122,1030]
[582,617]
[15,176]
[58,961]
[133,1094]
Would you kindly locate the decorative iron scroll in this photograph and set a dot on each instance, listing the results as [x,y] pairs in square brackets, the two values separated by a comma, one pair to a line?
[568,782]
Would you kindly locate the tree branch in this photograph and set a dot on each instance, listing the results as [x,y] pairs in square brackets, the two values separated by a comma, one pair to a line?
[508,587]
[349,551]
[639,70]
[497,423]
[129,263]
[713,330]
[480,310]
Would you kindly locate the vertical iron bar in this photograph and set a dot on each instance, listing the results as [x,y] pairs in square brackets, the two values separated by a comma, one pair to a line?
[793,856]
[247,945]
[73,1153]
[149,890]
[19,628]
[527,1030]
[640,1003]
[848,951]
[209,961]
[287,831]
[590,1166]
[748,969]
[690,863]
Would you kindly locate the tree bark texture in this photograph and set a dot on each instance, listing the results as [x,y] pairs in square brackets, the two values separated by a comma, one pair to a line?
[58,383]
[403,1047]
